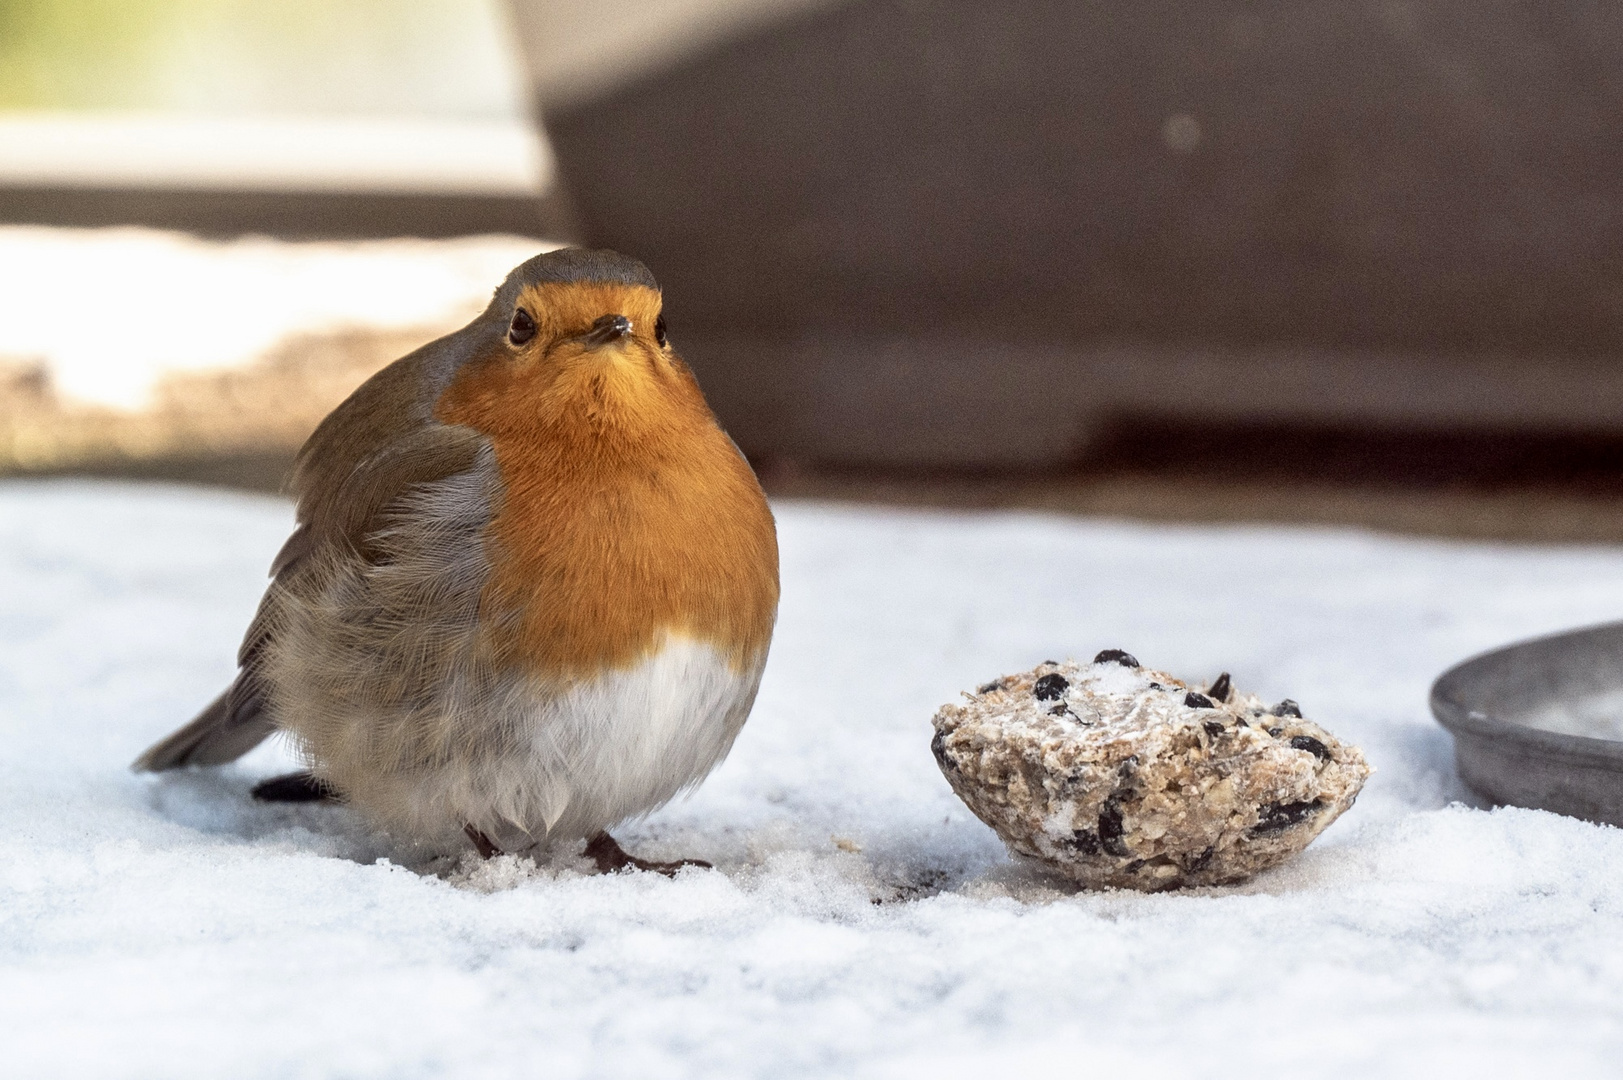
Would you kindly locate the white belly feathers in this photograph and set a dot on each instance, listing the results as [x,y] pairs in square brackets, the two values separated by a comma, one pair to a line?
[601,751]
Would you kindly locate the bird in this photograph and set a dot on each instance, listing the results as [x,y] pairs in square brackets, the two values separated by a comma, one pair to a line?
[531,586]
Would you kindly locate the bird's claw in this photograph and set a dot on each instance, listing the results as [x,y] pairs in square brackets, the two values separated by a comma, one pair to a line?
[610,857]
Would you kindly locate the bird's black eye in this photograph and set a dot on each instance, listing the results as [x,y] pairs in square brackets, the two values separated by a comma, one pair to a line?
[523,328]
[659,330]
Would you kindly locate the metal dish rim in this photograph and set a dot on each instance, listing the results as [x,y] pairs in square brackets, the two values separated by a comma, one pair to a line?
[1457,717]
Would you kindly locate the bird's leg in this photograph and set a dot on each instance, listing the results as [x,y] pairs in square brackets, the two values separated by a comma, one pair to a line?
[483,844]
[604,850]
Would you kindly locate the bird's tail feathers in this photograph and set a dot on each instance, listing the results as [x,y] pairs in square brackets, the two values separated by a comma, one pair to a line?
[232,724]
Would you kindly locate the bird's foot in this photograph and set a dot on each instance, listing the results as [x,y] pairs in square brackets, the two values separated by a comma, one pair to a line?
[295,787]
[604,850]
[483,844]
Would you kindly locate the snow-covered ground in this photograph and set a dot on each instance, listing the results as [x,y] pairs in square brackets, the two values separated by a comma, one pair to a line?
[860,922]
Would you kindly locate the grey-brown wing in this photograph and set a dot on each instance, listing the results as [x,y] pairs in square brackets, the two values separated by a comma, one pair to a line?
[377,446]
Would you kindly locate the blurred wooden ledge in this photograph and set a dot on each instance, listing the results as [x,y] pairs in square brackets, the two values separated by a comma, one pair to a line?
[240,429]
[1503,485]
[237,427]
[293,177]
[1516,514]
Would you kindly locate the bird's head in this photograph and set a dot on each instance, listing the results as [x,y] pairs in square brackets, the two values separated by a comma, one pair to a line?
[573,338]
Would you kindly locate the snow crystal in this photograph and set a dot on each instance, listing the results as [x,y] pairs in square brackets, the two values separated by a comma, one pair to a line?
[1116,680]
[170,927]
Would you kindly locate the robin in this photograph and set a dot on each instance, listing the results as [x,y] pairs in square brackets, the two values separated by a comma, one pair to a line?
[531,587]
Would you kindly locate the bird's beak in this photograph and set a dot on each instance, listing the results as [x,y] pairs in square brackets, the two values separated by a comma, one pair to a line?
[606,329]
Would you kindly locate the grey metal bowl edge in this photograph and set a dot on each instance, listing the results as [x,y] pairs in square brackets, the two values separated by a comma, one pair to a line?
[1486,700]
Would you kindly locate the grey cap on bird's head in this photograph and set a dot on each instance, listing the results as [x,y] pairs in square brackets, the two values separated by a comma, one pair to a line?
[570,265]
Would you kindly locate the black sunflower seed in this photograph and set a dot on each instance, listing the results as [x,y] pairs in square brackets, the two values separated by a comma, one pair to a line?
[1287,708]
[1193,700]
[1213,728]
[1311,745]
[1220,689]
[1278,816]
[1051,687]
[1111,830]
[1116,656]
[1086,841]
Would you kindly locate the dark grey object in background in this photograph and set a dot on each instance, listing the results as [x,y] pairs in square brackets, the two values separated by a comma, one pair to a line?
[1529,721]
[962,231]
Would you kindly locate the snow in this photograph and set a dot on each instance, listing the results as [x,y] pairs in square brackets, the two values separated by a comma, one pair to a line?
[860,922]
[1111,679]
[110,312]
[168,150]
[1598,716]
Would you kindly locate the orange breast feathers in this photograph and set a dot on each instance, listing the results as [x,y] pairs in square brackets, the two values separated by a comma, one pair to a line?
[626,513]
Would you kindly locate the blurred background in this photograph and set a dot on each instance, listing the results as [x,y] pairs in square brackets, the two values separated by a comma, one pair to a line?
[1338,262]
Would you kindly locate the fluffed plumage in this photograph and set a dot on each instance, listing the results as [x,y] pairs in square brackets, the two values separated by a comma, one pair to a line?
[532,585]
